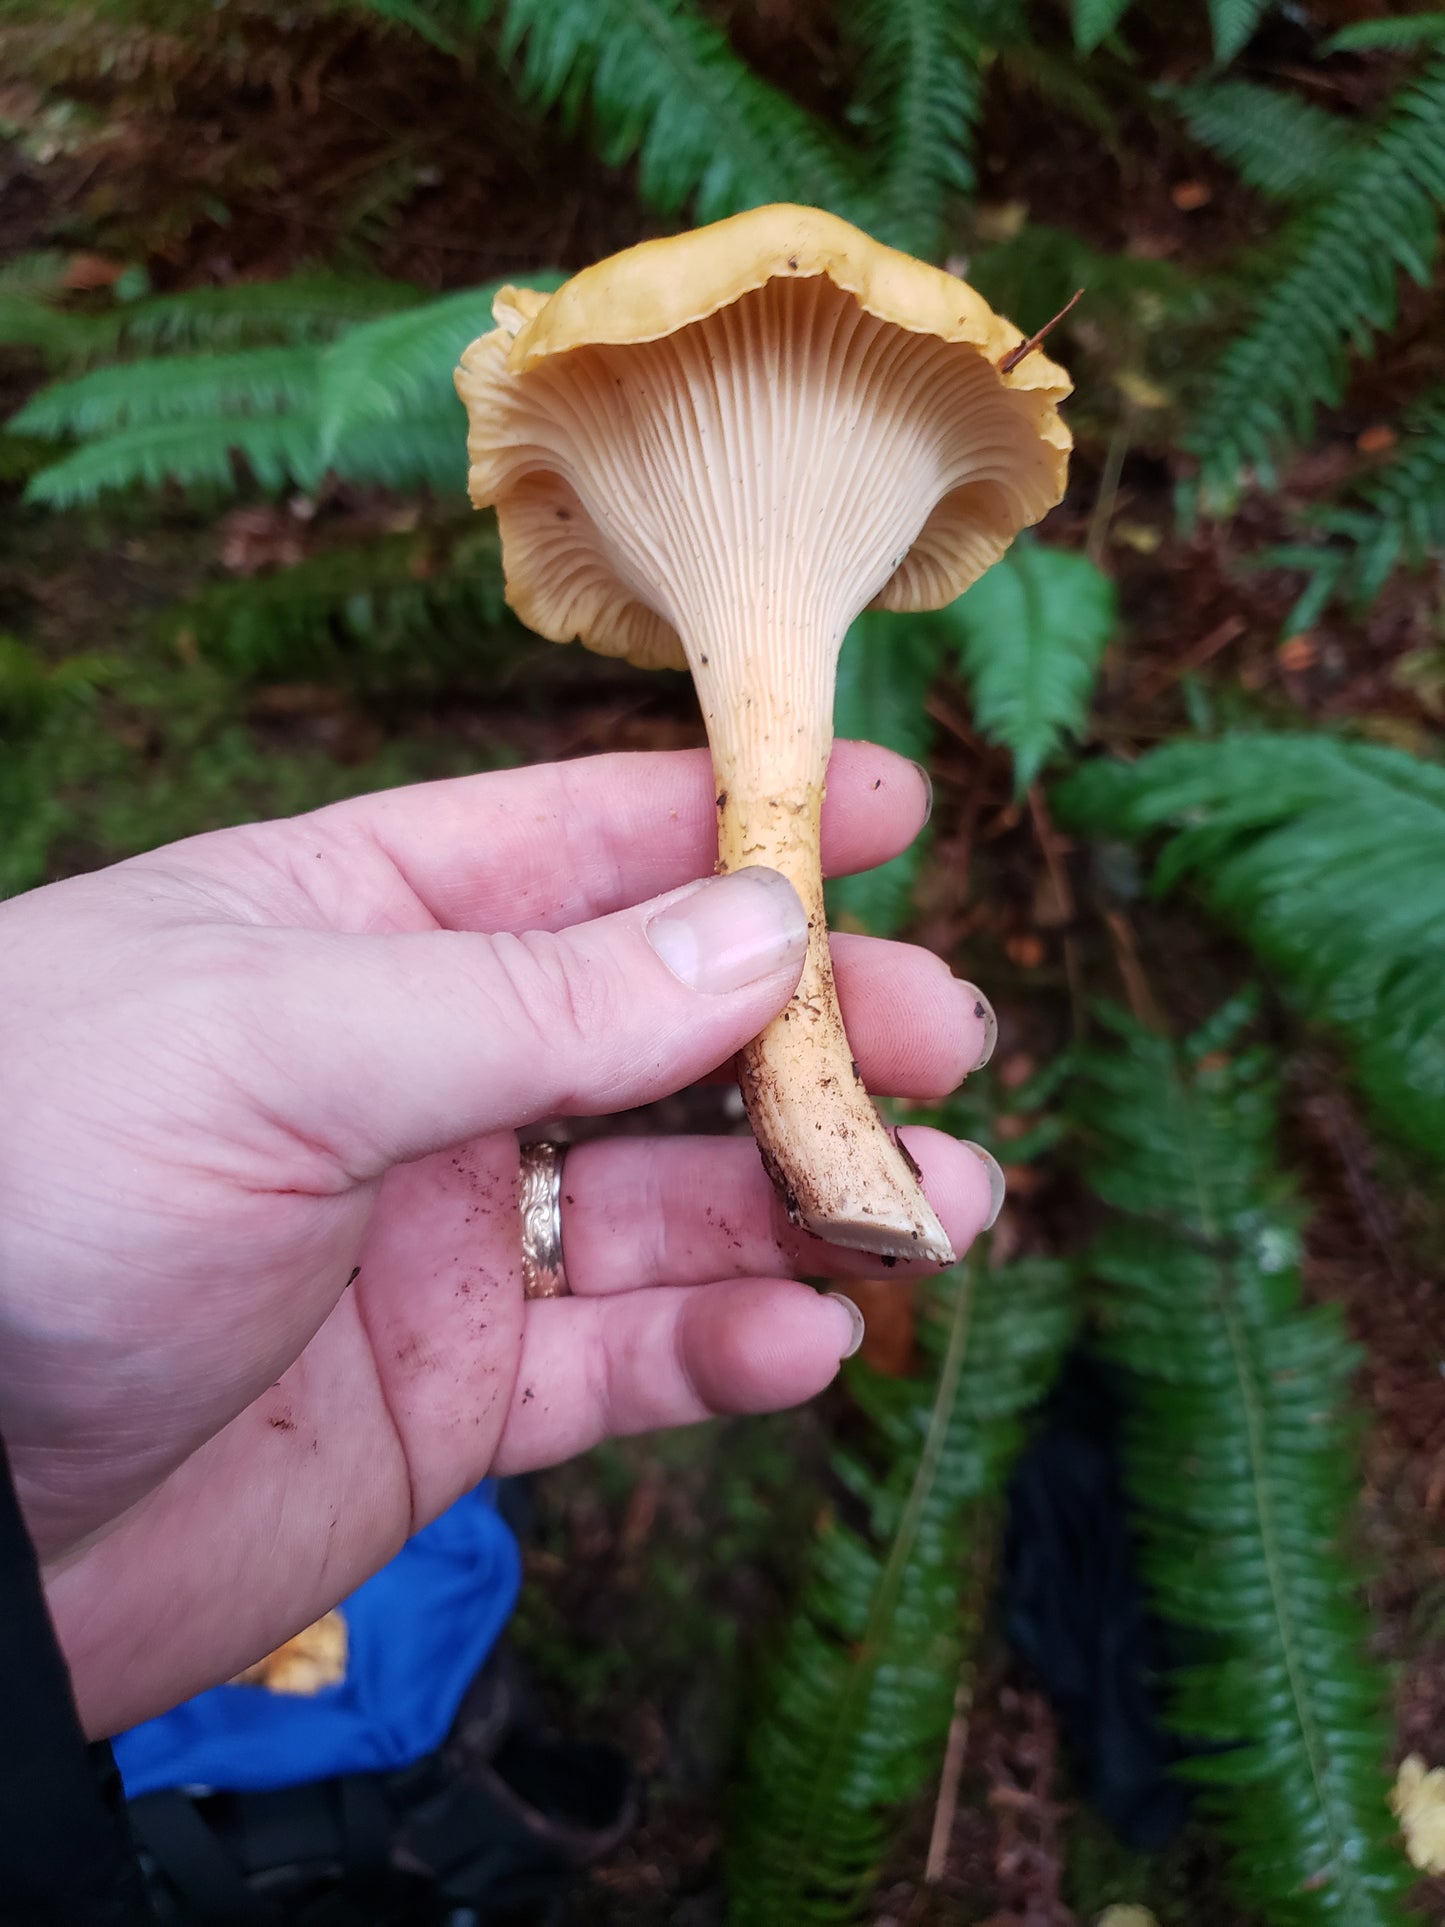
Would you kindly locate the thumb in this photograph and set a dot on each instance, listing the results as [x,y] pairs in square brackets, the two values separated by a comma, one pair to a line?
[396,1046]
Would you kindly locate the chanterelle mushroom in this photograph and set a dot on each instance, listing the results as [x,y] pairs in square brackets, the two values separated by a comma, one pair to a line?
[714,450]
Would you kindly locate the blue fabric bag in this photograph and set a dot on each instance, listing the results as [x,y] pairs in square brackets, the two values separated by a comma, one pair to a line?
[418,1633]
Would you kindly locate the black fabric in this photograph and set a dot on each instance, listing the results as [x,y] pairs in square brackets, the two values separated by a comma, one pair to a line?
[65,1848]
[192,1861]
[1074,1611]
[413,1845]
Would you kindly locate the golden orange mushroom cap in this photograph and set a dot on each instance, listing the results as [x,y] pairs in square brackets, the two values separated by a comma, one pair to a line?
[562,577]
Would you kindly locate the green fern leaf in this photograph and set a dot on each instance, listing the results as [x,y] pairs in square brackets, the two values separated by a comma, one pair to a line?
[884,673]
[60,337]
[1395,519]
[1399,36]
[854,1708]
[919,105]
[172,388]
[1329,857]
[278,449]
[445,26]
[1279,143]
[1238,1466]
[1232,23]
[369,615]
[304,307]
[1095,20]
[1337,291]
[665,87]
[40,275]
[1031,634]
[283,449]
[1405,503]
[33,314]
[1055,77]
[420,451]
[401,366]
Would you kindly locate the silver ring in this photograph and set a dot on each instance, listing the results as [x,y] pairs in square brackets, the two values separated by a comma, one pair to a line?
[543,1273]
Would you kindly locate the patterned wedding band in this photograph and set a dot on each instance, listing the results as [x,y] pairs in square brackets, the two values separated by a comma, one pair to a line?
[543,1273]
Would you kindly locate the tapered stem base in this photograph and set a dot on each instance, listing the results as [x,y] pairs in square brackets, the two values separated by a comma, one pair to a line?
[836,1165]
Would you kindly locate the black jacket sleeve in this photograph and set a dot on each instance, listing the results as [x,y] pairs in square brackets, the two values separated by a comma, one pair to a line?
[65,1849]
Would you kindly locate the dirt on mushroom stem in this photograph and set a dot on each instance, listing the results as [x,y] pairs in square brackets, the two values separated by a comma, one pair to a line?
[798,1077]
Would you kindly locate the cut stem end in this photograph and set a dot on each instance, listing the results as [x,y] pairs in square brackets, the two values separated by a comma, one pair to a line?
[834,1162]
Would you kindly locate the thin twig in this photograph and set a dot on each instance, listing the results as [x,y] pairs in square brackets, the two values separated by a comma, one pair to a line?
[977,1586]
[953,720]
[1015,355]
[1131,970]
[947,1804]
[1074,977]
[1219,637]
[1103,513]
[1048,838]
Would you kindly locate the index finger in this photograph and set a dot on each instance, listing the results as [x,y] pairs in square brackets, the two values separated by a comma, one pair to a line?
[557,844]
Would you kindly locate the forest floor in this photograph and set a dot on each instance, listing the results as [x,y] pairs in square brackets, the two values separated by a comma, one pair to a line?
[657,1568]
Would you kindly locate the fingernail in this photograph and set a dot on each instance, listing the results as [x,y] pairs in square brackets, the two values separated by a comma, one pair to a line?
[855,1320]
[927,793]
[983,1010]
[732,931]
[996,1185]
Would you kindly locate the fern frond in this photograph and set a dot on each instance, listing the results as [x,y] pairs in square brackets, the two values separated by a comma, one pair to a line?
[278,449]
[1095,20]
[884,673]
[1396,519]
[303,307]
[40,703]
[665,86]
[1055,78]
[420,451]
[1238,1464]
[1337,291]
[390,616]
[39,274]
[32,689]
[1232,23]
[376,404]
[919,104]
[1329,857]
[1401,35]
[1405,502]
[1279,143]
[1028,637]
[1031,633]
[853,1711]
[172,388]
[33,314]
[401,365]
[444,25]
[60,337]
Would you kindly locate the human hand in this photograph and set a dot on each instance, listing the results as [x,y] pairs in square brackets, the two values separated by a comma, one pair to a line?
[261,1313]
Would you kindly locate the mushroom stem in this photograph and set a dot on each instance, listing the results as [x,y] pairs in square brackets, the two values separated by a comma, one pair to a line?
[717,449]
[840,1172]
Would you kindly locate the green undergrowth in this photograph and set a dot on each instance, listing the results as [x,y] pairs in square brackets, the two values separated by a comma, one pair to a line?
[1240,1463]
[852,1710]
